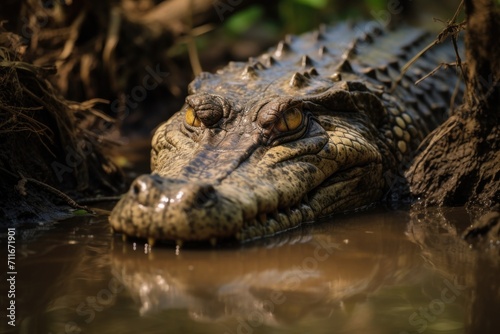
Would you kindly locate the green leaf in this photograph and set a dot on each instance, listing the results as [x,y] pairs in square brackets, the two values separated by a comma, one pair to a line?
[376,4]
[313,3]
[80,212]
[241,21]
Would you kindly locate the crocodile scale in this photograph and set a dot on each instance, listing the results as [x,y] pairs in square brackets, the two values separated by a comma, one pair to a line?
[322,123]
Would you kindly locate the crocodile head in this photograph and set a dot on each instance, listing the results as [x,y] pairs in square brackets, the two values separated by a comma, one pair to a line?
[227,166]
[307,130]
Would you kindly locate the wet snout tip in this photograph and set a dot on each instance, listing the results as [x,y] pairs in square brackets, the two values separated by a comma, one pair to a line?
[145,182]
[149,189]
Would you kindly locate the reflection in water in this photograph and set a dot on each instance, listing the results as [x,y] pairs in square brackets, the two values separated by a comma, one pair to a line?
[314,275]
[378,272]
[437,233]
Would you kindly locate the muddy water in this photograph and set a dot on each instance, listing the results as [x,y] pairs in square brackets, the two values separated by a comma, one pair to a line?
[371,272]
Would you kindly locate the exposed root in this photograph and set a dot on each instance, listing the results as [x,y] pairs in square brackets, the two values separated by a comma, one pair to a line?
[45,141]
[21,187]
[458,164]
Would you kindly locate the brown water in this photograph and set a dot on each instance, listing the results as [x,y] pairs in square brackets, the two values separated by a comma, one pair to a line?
[372,272]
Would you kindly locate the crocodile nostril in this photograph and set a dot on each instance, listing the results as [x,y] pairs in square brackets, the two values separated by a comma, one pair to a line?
[136,188]
[140,184]
[206,196]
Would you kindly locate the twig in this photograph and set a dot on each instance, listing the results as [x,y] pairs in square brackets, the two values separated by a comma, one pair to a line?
[445,65]
[72,38]
[112,39]
[168,13]
[452,29]
[100,199]
[21,187]
[89,106]
[192,51]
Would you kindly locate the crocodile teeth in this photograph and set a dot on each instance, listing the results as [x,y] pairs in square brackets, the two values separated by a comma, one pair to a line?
[151,242]
[298,80]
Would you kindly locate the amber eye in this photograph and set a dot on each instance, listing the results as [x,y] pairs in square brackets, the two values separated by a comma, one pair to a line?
[290,120]
[191,117]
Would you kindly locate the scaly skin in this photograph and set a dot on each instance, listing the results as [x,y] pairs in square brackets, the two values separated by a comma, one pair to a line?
[319,125]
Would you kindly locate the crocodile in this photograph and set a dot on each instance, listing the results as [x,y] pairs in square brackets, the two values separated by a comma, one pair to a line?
[321,124]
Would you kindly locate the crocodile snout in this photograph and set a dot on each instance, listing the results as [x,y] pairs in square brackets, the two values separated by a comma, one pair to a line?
[156,191]
[166,208]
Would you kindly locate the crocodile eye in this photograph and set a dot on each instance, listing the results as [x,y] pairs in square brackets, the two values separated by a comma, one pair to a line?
[290,120]
[191,117]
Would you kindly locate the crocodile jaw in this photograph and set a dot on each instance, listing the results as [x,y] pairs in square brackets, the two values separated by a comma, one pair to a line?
[271,191]
[169,209]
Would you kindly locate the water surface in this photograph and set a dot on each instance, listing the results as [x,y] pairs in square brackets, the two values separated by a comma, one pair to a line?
[373,272]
